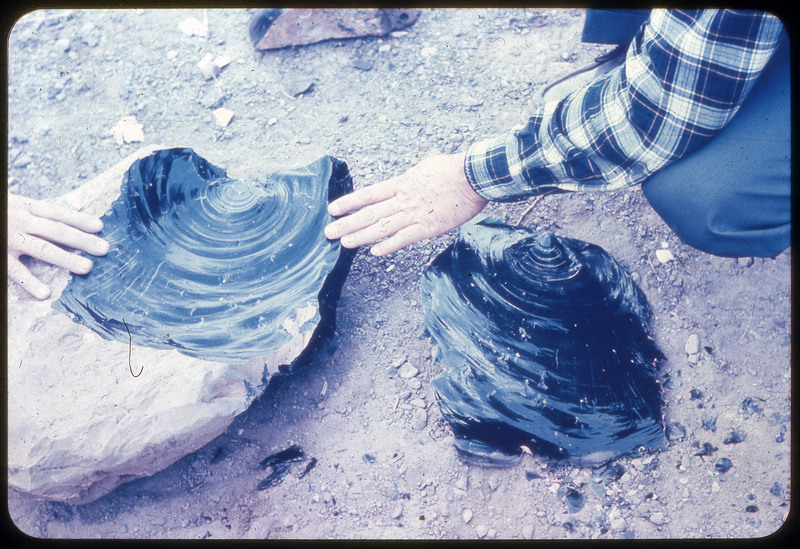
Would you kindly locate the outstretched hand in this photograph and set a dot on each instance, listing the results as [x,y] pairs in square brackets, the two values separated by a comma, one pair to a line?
[428,200]
[34,227]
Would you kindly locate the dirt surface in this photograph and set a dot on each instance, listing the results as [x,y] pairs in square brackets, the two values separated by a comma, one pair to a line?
[385,463]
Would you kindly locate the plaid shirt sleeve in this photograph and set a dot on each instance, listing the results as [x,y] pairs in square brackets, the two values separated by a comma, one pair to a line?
[685,75]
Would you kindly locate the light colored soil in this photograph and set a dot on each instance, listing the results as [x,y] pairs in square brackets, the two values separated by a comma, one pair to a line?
[455,76]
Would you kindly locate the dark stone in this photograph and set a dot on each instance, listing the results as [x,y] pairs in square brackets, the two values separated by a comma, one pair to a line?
[290,454]
[751,508]
[695,394]
[198,261]
[574,500]
[752,405]
[551,333]
[723,465]
[368,458]
[707,449]
[675,431]
[734,437]
[710,423]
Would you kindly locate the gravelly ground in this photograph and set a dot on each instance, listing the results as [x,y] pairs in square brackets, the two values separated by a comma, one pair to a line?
[381,104]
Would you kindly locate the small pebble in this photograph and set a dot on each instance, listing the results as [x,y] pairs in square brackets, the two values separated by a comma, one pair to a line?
[466,515]
[734,437]
[744,261]
[418,402]
[723,465]
[664,256]
[408,371]
[657,519]
[527,531]
[419,420]
[692,346]
[751,508]
[618,525]
[675,431]
[461,483]
[481,530]
[414,383]
[272,121]
[62,44]
[398,362]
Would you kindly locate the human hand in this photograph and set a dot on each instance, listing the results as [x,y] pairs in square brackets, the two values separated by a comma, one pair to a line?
[33,227]
[428,200]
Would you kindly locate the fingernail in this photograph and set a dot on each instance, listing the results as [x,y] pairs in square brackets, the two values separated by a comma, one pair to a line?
[334,211]
[330,232]
[102,248]
[85,266]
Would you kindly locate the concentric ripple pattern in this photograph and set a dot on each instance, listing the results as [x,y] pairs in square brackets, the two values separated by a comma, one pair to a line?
[213,267]
[545,343]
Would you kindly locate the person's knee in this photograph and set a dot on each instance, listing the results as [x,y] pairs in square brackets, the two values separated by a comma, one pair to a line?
[728,224]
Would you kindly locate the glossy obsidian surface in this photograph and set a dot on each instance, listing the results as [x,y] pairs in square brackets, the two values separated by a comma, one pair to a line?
[214,267]
[544,341]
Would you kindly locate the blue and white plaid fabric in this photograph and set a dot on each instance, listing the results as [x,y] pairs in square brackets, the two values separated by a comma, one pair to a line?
[685,76]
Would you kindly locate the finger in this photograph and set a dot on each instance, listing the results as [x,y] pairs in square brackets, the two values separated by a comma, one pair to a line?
[69,236]
[364,217]
[378,230]
[401,239]
[57,212]
[50,253]
[22,276]
[362,197]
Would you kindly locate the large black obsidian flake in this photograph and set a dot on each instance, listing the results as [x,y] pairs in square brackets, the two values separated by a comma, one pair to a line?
[545,343]
[219,269]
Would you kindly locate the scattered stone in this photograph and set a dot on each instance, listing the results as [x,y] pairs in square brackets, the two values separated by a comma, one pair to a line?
[399,361]
[461,483]
[574,500]
[223,116]
[62,44]
[481,530]
[127,130]
[675,431]
[414,383]
[407,371]
[362,64]
[723,465]
[527,531]
[664,255]
[734,437]
[693,359]
[385,48]
[466,515]
[752,406]
[692,346]
[418,402]
[744,261]
[695,394]
[710,423]
[530,475]
[368,458]
[714,487]
[272,121]
[296,86]
[569,527]
[657,519]
[707,449]
[751,508]
[419,419]
[776,490]
[208,67]
[618,525]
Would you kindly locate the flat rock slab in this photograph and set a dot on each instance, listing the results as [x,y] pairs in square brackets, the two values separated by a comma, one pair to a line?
[86,413]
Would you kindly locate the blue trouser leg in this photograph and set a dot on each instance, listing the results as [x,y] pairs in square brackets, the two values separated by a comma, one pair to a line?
[733,196]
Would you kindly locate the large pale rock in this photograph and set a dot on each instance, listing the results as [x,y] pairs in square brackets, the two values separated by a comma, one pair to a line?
[82,418]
